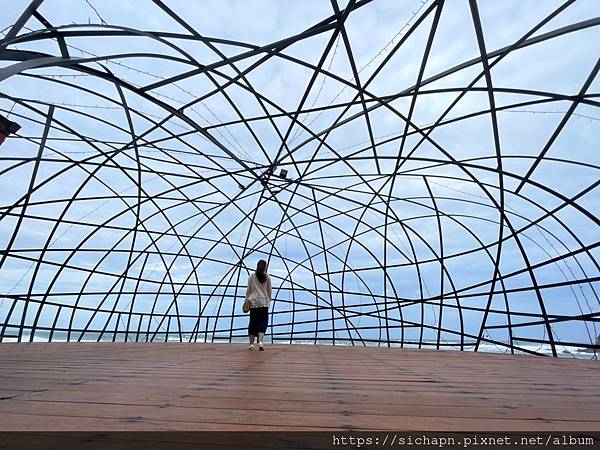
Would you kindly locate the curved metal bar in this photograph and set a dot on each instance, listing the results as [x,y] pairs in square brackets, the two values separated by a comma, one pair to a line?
[147,232]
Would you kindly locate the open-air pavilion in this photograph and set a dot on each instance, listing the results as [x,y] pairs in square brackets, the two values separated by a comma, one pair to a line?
[421,176]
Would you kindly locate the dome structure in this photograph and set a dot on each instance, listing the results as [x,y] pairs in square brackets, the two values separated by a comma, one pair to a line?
[416,177]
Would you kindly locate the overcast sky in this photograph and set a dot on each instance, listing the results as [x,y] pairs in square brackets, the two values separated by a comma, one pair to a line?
[195,226]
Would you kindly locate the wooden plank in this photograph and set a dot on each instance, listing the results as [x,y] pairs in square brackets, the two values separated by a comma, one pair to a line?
[215,406]
[133,386]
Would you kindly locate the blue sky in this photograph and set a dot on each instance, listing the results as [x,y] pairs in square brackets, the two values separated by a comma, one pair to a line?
[188,190]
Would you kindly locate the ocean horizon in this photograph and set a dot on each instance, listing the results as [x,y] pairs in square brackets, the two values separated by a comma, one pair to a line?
[61,336]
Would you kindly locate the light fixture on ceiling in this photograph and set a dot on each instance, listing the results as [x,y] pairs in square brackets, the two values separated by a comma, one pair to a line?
[7,128]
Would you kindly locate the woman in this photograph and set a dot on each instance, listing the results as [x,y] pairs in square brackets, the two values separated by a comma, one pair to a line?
[258,293]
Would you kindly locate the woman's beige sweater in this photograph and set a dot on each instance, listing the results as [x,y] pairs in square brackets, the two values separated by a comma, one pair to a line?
[259,293]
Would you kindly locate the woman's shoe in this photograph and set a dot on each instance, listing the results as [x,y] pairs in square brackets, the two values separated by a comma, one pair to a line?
[251,347]
[261,346]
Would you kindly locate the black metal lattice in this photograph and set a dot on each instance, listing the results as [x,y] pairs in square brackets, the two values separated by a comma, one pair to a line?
[154,168]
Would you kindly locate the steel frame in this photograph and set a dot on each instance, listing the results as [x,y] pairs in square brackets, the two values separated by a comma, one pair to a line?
[258,181]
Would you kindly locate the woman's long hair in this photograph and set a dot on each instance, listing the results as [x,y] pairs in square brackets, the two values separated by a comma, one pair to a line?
[261,270]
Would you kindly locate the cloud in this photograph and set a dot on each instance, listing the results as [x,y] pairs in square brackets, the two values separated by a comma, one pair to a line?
[208,202]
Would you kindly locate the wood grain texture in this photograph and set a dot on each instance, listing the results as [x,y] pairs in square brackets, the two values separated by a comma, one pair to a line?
[181,386]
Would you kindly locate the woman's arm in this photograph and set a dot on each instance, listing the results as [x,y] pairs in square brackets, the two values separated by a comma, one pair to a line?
[249,287]
[269,288]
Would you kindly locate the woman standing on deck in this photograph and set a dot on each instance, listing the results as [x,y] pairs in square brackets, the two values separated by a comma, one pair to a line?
[258,293]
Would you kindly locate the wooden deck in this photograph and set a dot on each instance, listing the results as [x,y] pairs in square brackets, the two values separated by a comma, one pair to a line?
[174,386]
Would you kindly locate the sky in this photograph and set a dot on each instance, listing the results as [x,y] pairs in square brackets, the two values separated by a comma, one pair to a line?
[384,243]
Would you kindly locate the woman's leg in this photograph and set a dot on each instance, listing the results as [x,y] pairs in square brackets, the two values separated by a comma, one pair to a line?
[264,319]
[252,327]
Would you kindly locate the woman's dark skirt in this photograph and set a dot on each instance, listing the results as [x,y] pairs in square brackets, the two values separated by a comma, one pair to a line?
[259,319]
